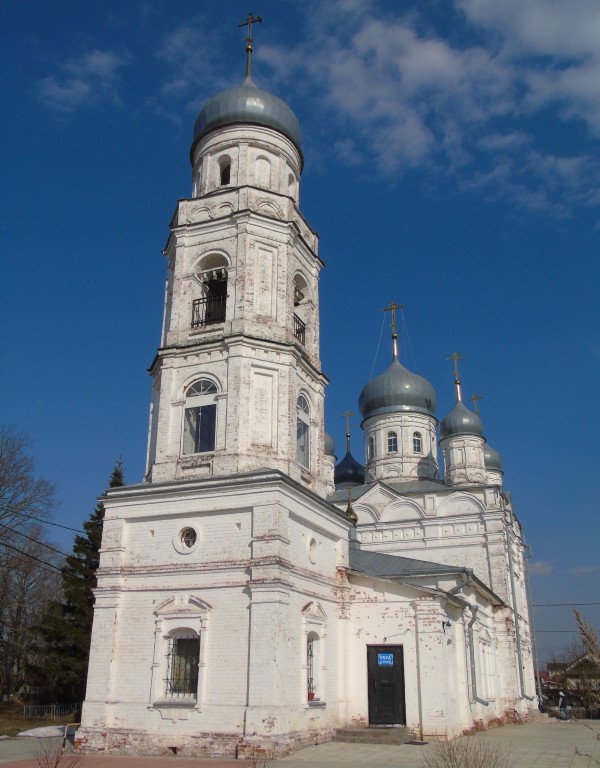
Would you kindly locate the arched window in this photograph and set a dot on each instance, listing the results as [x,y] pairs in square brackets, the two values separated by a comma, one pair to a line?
[183,657]
[392,442]
[211,307]
[303,431]
[371,448]
[417,442]
[301,308]
[225,171]
[292,185]
[263,172]
[200,417]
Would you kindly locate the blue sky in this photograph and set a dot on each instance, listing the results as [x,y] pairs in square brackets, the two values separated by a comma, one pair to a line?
[451,164]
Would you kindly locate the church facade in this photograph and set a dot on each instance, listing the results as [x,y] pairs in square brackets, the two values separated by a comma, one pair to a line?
[251,593]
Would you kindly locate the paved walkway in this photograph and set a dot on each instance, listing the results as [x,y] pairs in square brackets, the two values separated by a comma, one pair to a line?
[550,744]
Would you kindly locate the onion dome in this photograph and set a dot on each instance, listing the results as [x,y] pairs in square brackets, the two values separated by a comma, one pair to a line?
[349,472]
[492,459]
[247,104]
[329,445]
[461,421]
[397,389]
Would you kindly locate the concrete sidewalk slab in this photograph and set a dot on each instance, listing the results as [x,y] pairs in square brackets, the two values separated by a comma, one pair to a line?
[549,744]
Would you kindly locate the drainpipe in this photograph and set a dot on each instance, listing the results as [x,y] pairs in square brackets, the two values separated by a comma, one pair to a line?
[517,628]
[474,609]
[538,679]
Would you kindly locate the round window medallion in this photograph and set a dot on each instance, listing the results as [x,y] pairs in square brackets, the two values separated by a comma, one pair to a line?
[186,540]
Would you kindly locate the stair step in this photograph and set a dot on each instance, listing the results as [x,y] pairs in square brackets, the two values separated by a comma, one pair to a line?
[395,735]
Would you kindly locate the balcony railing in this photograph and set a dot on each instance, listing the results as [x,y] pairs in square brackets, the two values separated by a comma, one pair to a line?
[299,329]
[208,311]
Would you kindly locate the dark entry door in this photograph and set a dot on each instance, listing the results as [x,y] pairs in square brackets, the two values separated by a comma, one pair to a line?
[385,665]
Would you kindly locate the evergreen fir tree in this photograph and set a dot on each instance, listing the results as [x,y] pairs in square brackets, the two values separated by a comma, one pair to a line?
[66,626]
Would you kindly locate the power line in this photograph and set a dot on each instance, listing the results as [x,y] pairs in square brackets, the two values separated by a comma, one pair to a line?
[36,541]
[33,557]
[56,525]
[560,605]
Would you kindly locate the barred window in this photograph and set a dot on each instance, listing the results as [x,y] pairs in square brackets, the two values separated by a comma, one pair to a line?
[183,658]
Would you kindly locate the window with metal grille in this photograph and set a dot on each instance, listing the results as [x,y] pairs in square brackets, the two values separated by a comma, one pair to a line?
[182,666]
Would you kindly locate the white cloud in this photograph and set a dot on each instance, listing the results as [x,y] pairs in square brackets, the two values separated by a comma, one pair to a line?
[462,99]
[585,570]
[64,96]
[541,568]
[88,80]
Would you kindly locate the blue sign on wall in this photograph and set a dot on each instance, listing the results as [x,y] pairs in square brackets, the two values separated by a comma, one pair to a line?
[385,659]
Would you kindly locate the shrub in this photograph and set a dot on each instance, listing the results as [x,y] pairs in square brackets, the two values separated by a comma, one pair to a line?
[465,752]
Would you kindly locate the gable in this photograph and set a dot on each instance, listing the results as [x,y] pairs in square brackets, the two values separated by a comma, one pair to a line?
[460,504]
[181,605]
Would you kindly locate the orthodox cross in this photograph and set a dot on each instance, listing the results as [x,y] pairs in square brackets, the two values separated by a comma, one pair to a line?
[347,414]
[456,357]
[248,23]
[476,398]
[392,308]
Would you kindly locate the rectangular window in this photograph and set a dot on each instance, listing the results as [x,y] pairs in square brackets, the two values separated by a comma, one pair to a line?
[392,442]
[199,429]
[310,666]
[302,443]
[182,667]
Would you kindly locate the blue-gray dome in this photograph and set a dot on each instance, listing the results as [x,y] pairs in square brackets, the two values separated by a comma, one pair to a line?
[397,389]
[247,104]
[491,457]
[348,472]
[329,445]
[461,421]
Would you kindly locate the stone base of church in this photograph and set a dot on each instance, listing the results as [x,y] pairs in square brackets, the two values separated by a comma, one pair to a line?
[232,745]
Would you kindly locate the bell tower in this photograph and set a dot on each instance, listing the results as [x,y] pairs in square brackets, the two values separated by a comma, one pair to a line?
[237,380]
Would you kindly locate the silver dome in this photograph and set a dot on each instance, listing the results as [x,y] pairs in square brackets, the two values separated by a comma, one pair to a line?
[492,459]
[247,104]
[461,421]
[329,445]
[397,389]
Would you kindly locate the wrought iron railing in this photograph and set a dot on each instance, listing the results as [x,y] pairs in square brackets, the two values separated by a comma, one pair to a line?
[299,329]
[208,311]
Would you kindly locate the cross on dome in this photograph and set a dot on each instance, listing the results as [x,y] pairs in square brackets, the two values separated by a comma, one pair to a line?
[248,23]
[476,398]
[392,308]
[456,357]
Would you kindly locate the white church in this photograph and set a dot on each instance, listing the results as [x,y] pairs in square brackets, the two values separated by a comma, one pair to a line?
[251,594]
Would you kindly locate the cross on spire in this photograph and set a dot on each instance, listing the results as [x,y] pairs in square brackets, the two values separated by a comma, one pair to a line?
[476,398]
[347,414]
[248,23]
[392,308]
[456,357]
